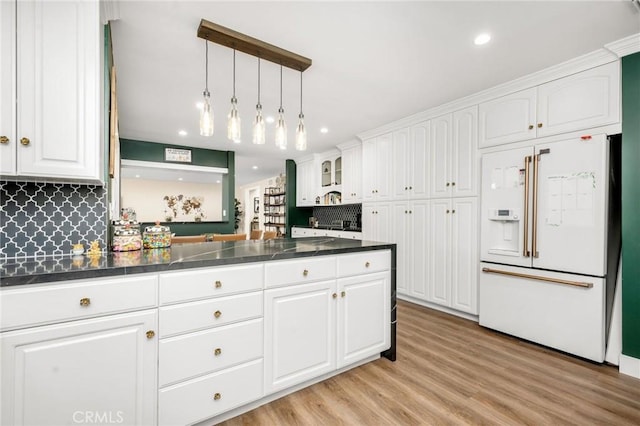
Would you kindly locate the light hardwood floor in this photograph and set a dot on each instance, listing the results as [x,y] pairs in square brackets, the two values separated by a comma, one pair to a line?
[452,371]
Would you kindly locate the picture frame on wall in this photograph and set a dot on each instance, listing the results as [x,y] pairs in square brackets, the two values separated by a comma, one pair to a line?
[256,205]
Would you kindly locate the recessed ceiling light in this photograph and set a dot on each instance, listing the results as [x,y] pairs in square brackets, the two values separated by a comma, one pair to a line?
[182,133]
[217,181]
[269,119]
[255,167]
[324,130]
[199,105]
[482,39]
[180,179]
[137,176]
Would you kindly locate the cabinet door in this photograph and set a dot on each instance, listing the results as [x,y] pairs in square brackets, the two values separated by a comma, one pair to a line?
[369,169]
[401,235]
[7,88]
[464,170]
[508,119]
[440,153]
[439,247]
[369,228]
[418,160]
[580,101]
[383,222]
[302,183]
[363,317]
[299,333]
[464,255]
[383,167]
[64,373]
[352,174]
[418,248]
[400,163]
[58,46]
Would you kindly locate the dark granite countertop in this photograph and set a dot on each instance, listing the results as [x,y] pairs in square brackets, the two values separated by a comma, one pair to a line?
[329,228]
[179,256]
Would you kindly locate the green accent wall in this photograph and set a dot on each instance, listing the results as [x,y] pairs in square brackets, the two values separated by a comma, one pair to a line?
[151,151]
[295,215]
[631,205]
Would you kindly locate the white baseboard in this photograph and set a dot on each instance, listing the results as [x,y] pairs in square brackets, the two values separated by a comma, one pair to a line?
[444,309]
[630,366]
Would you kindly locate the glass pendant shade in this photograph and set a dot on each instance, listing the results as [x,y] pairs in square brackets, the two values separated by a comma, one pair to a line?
[206,116]
[259,127]
[233,123]
[301,134]
[281,130]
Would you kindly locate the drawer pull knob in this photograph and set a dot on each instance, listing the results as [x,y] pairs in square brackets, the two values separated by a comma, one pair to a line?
[217,351]
[367,264]
[343,294]
[218,284]
[217,396]
[85,301]
[217,314]
[25,141]
[4,140]
[530,126]
[305,272]
[539,125]
[334,295]
[150,334]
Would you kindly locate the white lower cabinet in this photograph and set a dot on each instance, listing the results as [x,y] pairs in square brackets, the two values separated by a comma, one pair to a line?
[453,244]
[100,370]
[376,222]
[299,333]
[314,328]
[363,317]
[410,220]
[211,348]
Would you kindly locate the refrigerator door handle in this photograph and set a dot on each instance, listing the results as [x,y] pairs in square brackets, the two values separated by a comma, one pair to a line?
[538,278]
[534,225]
[525,239]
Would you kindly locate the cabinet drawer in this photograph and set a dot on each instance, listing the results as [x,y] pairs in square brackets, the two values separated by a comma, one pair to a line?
[209,313]
[202,283]
[211,395]
[364,262]
[193,354]
[45,304]
[307,269]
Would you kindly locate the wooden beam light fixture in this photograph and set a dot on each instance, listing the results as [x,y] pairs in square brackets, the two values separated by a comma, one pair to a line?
[227,37]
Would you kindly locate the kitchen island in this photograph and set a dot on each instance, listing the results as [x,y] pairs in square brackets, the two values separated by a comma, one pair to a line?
[196,332]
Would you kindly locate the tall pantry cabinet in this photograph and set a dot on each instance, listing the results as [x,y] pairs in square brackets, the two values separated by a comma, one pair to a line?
[50,76]
[432,212]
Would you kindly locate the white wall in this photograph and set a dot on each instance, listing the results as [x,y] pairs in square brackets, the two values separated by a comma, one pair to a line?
[245,194]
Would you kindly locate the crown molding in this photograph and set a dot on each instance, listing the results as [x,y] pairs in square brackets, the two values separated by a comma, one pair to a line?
[625,46]
[563,69]
[109,10]
[349,144]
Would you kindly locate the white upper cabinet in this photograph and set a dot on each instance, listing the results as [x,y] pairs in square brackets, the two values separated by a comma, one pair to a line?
[584,100]
[376,168]
[305,183]
[352,174]
[507,119]
[464,170]
[440,151]
[452,154]
[410,161]
[7,88]
[58,82]
[580,101]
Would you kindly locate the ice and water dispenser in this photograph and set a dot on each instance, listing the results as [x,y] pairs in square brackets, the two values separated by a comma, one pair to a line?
[504,232]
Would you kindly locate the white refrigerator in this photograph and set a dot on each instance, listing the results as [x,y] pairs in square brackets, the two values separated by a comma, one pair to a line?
[545,229]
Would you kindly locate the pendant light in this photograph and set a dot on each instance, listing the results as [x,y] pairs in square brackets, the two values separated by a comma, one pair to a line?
[233,123]
[259,129]
[281,126]
[301,132]
[206,114]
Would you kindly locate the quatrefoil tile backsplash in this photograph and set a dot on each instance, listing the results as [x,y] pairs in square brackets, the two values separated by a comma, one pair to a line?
[42,219]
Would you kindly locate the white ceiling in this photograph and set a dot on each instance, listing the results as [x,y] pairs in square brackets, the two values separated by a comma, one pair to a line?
[373,63]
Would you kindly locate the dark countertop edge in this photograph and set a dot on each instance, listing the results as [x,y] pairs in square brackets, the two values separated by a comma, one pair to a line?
[119,271]
[327,228]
